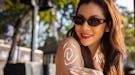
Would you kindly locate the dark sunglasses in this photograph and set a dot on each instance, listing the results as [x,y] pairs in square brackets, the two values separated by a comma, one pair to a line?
[79,20]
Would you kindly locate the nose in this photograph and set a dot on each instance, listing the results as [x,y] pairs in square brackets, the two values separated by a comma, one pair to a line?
[85,26]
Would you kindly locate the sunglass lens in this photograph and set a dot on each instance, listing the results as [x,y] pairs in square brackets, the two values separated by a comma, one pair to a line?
[94,21]
[78,20]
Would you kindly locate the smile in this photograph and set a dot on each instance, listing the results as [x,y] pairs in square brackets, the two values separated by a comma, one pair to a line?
[86,36]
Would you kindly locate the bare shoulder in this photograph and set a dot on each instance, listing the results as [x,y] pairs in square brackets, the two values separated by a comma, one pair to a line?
[71,42]
[68,54]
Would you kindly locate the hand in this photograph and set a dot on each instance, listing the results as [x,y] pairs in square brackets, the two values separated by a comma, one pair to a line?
[75,70]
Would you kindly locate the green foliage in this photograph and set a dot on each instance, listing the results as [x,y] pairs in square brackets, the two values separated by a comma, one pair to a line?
[66,8]
[130,39]
[14,9]
[129,32]
[129,29]
[11,12]
[58,6]
[45,16]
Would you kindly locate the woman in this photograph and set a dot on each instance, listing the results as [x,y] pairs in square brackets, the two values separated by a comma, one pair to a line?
[95,44]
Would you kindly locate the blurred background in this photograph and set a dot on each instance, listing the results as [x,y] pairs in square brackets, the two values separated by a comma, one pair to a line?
[31,30]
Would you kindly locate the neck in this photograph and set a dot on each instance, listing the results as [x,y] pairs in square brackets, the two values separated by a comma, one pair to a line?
[93,49]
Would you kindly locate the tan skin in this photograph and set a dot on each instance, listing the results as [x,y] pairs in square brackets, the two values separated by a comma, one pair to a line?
[61,67]
[71,46]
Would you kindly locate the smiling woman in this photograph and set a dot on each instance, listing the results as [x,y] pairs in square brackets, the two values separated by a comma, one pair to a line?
[95,44]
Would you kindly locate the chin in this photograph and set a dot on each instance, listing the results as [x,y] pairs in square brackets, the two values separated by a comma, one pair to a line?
[85,43]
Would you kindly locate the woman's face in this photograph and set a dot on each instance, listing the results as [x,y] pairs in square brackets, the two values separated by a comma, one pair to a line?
[90,35]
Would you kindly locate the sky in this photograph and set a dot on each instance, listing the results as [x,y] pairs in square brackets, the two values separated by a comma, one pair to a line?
[128,3]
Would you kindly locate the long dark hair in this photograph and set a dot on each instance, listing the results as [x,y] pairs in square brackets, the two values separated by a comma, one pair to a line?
[112,42]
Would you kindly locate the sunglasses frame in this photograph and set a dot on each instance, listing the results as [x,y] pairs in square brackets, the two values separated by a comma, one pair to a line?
[101,21]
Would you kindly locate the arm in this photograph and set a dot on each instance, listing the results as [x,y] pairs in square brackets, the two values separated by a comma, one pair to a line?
[68,55]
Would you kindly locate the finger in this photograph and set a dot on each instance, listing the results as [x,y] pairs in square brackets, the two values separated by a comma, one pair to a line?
[77,67]
[85,71]
[82,69]
[74,71]
[79,71]
[93,71]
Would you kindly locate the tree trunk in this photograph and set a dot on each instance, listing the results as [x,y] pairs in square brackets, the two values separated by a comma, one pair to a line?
[18,30]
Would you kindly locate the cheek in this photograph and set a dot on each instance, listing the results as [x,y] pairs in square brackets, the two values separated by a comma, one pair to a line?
[77,29]
[100,30]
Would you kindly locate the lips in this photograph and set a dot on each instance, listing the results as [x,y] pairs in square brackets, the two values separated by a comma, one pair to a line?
[86,36]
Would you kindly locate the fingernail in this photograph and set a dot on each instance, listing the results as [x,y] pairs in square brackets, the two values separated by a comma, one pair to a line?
[72,72]
[69,69]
